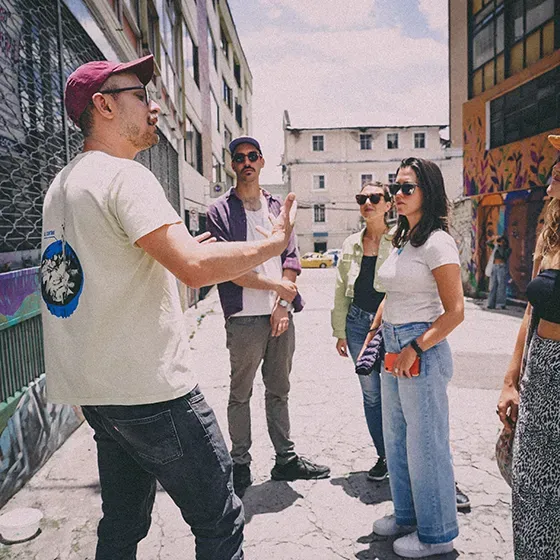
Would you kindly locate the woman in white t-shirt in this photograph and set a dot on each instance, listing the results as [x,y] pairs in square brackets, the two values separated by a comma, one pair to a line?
[423,304]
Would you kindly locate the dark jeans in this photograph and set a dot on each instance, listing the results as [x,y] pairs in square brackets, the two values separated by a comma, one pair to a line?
[179,444]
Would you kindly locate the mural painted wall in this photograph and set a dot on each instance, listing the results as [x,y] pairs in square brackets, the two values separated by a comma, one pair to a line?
[31,431]
[508,183]
[20,296]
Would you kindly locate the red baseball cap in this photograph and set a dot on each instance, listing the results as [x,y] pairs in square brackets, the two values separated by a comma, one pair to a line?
[88,78]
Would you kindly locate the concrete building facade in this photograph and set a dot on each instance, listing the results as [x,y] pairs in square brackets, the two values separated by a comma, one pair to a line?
[504,100]
[326,167]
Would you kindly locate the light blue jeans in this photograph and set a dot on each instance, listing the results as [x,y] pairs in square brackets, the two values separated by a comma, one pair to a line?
[358,323]
[498,286]
[416,429]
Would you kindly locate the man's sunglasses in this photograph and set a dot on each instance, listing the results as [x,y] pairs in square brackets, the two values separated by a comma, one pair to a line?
[251,156]
[406,188]
[374,198]
[132,88]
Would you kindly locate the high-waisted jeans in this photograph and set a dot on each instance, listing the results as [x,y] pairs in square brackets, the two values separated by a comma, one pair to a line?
[416,430]
[358,323]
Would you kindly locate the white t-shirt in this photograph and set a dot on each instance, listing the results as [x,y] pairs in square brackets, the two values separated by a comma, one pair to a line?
[260,302]
[412,294]
[114,329]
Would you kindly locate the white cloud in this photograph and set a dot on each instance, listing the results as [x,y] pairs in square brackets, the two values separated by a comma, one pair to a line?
[367,77]
[330,14]
[436,12]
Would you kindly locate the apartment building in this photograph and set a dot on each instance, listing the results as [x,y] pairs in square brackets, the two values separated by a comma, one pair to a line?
[326,167]
[204,87]
[504,66]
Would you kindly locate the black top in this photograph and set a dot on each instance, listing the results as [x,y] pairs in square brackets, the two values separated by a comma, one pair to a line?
[366,297]
[544,294]
[502,253]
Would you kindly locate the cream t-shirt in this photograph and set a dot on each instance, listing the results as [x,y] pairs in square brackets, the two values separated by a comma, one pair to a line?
[412,294]
[260,302]
[114,330]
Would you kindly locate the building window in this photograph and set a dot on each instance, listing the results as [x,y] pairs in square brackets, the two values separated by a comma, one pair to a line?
[153,31]
[237,71]
[212,50]
[224,43]
[170,54]
[318,143]
[319,182]
[391,178]
[365,141]
[190,54]
[227,94]
[239,114]
[366,178]
[216,169]
[393,141]
[215,111]
[227,137]
[319,213]
[507,37]
[419,140]
[193,146]
[530,109]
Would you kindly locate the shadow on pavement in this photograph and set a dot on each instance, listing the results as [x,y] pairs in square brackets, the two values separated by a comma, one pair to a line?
[268,497]
[356,485]
[381,548]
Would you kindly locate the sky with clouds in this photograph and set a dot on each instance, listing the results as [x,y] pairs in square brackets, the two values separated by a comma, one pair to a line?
[333,63]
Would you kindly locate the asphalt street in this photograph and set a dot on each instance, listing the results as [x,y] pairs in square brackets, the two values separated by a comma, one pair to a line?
[304,520]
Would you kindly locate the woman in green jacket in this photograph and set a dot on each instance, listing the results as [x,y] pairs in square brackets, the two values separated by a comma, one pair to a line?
[357,297]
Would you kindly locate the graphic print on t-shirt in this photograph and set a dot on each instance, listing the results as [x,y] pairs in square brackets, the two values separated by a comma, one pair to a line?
[62,279]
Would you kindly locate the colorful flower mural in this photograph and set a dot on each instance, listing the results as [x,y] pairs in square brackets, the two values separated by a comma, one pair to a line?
[517,166]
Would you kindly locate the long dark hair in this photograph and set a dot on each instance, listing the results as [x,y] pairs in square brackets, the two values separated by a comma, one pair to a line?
[435,204]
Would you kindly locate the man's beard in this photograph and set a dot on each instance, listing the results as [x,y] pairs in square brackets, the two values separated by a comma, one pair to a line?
[140,141]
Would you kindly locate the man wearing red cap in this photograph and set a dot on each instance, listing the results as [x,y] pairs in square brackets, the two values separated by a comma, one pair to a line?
[114,337]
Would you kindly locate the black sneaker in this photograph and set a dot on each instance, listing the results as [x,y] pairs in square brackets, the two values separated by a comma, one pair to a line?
[299,468]
[379,471]
[463,501]
[242,478]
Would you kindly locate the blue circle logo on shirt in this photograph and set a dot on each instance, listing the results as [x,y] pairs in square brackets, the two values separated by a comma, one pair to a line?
[62,279]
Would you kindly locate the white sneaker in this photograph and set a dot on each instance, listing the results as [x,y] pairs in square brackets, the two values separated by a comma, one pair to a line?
[387,527]
[410,546]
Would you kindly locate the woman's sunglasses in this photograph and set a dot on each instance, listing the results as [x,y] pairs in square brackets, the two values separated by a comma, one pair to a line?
[374,198]
[251,156]
[406,188]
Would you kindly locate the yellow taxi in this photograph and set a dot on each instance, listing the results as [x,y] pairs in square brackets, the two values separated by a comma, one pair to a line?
[316,260]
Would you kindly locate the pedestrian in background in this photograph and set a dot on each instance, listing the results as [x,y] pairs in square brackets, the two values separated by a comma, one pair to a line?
[357,296]
[530,399]
[260,329]
[423,305]
[497,270]
[113,248]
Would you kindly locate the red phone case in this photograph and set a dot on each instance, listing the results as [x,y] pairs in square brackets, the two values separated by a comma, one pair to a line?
[390,358]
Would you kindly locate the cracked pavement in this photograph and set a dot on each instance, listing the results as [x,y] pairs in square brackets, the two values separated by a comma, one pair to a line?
[303,520]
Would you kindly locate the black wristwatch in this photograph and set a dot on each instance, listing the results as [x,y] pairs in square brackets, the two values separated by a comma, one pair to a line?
[416,348]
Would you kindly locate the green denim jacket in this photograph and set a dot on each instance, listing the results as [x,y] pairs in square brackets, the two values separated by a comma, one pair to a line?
[347,272]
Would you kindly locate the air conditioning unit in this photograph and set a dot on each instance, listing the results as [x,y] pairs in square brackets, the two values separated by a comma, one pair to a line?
[217,189]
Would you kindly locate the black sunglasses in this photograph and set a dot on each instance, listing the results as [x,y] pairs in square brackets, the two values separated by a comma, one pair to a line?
[132,88]
[406,188]
[251,156]
[374,198]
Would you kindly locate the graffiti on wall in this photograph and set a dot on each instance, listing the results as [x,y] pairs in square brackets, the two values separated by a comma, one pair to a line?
[32,429]
[19,296]
[508,183]
[516,166]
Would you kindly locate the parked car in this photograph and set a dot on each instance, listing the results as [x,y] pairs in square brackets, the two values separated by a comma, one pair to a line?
[335,254]
[316,260]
